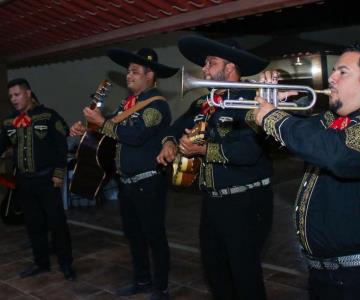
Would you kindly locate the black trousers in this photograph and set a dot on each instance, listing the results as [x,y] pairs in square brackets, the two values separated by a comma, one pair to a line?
[232,232]
[340,284]
[143,206]
[43,211]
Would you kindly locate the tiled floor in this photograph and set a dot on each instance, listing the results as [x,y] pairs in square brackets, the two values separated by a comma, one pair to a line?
[102,259]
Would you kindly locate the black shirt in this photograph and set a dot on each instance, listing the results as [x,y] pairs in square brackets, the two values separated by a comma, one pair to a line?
[235,154]
[40,146]
[139,136]
[327,208]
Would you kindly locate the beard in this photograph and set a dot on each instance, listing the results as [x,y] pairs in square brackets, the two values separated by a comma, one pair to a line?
[219,76]
[336,105]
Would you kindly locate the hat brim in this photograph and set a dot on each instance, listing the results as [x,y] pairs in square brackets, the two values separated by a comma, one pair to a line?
[125,58]
[196,49]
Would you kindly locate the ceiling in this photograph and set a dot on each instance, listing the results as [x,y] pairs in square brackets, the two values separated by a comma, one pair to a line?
[32,31]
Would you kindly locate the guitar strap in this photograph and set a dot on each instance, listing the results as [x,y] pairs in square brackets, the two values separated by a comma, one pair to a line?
[125,114]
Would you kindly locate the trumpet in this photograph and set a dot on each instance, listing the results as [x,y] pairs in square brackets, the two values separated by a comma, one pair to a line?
[268,91]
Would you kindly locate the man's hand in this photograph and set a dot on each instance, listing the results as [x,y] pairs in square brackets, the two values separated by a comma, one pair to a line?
[77,129]
[57,182]
[263,110]
[94,116]
[167,153]
[189,149]
[272,76]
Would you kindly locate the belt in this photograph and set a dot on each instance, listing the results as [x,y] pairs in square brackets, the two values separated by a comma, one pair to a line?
[36,174]
[333,263]
[138,177]
[240,188]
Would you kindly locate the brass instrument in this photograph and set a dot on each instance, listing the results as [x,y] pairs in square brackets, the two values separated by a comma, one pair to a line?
[267,91]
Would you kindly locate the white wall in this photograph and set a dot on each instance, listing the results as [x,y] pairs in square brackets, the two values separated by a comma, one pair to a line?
[66,86]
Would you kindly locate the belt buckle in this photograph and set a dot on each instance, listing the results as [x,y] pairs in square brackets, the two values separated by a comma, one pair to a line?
[257,184]
[324,264]
[216,194]
[227,191]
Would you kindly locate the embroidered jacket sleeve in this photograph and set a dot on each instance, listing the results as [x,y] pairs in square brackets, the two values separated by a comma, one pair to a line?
[59,133]
[6,130]
[337,151]
[140,126]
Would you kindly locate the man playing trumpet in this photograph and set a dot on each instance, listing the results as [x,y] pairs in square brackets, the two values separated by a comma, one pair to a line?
[327,208]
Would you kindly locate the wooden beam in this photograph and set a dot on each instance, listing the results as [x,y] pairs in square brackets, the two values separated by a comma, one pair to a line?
[229,10]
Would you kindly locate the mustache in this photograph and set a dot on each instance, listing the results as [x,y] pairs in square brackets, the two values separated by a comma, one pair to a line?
[331,87]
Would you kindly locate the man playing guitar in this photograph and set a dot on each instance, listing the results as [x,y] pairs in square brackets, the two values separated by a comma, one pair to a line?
[143,187]
[234,175]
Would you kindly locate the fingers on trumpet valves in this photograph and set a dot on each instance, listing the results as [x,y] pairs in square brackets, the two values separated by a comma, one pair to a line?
[262,77]
[268,76]
[275,76]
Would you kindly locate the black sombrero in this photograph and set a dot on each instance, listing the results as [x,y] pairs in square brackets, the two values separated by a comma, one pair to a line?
[146,57]
[196,49]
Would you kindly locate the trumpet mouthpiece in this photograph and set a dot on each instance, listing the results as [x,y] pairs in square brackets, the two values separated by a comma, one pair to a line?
[326,92]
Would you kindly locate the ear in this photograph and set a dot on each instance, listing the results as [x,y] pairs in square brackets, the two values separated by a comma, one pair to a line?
[28,93]
[229,68]
[150,75]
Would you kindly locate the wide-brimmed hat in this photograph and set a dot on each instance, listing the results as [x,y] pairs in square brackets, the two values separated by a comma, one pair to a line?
[146,57]
[196,49]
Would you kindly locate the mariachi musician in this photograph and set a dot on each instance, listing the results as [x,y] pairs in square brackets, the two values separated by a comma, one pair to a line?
[38,137]
[143,186]
[234,176]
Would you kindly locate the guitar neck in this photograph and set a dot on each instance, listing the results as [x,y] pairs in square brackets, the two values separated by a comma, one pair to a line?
[98,101]
[92,126]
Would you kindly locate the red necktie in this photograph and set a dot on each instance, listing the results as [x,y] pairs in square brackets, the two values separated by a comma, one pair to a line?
[129,102]
[340,123]
[22,120]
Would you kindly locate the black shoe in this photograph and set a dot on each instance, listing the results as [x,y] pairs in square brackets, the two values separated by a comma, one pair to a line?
[33,270]
[137,288]
[69,272]
[160,295]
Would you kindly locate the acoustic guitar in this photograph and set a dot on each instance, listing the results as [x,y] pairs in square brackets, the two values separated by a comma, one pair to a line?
[95,154]
[185,169]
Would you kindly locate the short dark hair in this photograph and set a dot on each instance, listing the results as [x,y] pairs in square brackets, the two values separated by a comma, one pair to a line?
[19,81]
[24,84]
[354,47]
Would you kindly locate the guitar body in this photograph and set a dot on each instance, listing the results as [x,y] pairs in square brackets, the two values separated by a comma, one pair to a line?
[185,169]
[95,163]
[95,154]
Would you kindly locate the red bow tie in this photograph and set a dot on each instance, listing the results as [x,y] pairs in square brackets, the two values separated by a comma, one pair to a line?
[340,123]
[129,102]
[22,120]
